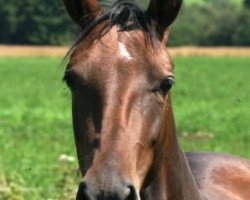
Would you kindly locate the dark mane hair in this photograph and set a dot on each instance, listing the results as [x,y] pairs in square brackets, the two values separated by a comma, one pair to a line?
[127,16]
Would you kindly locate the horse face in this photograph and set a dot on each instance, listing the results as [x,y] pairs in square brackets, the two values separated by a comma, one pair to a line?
[119,94]
[120,82]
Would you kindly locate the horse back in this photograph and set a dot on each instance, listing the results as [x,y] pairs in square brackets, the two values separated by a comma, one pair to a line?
[220,176]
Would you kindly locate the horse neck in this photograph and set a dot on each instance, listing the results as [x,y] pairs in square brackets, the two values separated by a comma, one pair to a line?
[175,180]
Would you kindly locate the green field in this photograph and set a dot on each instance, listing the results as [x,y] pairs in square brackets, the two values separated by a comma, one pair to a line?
[207,1]
[211,102]
[144,3]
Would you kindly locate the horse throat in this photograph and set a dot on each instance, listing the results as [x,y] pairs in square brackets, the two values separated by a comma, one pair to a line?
[174,180]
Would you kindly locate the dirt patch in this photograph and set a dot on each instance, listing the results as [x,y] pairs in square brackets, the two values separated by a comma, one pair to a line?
[55,51]
[29,51]
[211,51]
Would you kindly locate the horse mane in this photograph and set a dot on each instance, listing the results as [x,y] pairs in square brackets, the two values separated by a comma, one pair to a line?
[126,15]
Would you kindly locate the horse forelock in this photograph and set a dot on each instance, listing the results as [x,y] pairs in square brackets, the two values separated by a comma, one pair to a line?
[126,16]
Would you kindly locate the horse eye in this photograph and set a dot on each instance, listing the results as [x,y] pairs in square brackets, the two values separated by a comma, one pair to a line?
[69,79]
[166,85]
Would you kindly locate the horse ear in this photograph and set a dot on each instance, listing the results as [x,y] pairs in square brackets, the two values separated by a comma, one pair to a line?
[80,10]
[163,12]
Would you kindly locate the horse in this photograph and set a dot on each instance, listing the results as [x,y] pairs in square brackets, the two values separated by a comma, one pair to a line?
[120,75]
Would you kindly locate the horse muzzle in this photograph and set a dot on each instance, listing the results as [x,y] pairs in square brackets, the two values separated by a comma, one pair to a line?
[88,191]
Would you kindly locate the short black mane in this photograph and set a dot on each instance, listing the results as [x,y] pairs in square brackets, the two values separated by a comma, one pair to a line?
[124,14]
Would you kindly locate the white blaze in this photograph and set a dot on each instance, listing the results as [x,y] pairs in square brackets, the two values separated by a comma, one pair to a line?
[123,51]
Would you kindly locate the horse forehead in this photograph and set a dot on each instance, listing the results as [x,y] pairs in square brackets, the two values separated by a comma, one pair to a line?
[124,52]
[123,48]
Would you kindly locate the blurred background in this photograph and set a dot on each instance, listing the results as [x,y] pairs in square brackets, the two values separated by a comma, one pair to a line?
[210,45]
[201,22]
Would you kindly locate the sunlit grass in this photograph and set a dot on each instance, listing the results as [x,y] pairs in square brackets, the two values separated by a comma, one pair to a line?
[212,96]
[35,124]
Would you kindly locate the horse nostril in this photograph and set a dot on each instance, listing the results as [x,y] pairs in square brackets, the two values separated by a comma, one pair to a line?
[88,192]
[83,193]
[130,193]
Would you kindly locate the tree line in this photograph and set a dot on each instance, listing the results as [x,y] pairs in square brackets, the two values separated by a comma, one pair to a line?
[35,22]
[216,23]
[45,22]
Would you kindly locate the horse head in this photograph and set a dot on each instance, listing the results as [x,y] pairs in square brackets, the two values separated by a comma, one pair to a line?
[120,74]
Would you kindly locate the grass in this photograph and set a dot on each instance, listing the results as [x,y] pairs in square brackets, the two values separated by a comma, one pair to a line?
[211,102]
[35,124]
[144,3]
[206,1]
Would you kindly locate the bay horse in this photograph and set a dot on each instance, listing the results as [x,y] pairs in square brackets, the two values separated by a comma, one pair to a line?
[120,75]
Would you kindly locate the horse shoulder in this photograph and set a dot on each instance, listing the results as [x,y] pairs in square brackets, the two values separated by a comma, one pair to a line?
[220,176]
